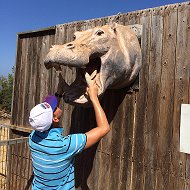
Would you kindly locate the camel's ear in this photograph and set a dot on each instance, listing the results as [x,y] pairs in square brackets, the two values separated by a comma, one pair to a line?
[113,26]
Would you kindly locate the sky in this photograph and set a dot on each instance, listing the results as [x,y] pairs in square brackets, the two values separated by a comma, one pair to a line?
[22,15]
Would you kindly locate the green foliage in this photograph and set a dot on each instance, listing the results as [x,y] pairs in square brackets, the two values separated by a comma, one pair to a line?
[6,90]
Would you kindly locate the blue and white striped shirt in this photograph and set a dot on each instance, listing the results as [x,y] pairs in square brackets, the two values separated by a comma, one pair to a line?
[53,158]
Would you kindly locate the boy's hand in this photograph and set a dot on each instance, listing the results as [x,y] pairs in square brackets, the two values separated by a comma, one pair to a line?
[92,88]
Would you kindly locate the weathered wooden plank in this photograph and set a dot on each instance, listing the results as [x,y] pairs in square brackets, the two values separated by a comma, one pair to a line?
[32,62]
[14,111]
[93,174]
[104,148]
[137,156]
[47,41]
[83,120]
[187,81]
[180,96]
[20,84]
[27,89]
[116,143]
[38,69]
[60,34]
[167,98]
[126,127]
[152,111]
[43,75]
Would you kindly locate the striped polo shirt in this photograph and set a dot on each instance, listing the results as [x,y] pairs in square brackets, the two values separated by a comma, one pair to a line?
[53,157]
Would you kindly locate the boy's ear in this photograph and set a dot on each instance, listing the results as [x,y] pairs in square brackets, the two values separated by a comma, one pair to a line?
[55,119]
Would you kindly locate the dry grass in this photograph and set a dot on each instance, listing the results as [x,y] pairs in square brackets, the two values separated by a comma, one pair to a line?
[4,135]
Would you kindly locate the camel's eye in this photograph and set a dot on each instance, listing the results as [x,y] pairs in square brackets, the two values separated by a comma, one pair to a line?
[74,37]
[99,32]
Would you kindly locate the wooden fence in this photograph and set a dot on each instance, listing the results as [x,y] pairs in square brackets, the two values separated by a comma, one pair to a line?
[142,149]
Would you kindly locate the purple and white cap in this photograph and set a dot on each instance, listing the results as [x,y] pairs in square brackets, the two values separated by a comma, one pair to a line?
[41,115]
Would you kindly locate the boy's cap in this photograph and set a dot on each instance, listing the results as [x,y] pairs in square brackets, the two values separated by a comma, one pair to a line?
[52,101]
[42,114]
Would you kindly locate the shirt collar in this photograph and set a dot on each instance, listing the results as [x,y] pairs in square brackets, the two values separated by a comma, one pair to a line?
[57,130]
[50,131]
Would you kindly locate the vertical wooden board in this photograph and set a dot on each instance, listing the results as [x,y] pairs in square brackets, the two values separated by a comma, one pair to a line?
[44,48]
[167,98]
[103,169]
[116,140]
[20,159]
[23,163]
[15,167]
[97,22]
[110,111]
[92,171]
[38,68]
[113,99]
[187,81]
[104,21]
[78,118]
[134,18]
[35,72]
[121,19]
[66,118]
[51,75]
[94,157]
[126,19]
[137,157]
[60,34]
[126,126]
[77,125]
[27,79]
[31,61]
[180,95]
[25,82]
[16,81]
[153,96]
[21,83]
[83,120]
[46,43]
[119,104]
[104,148]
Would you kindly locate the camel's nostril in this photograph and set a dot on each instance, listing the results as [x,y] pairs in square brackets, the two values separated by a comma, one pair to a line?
[51,47]
[70,46]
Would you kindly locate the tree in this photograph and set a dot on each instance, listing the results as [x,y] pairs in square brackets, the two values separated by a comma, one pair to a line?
[6,90]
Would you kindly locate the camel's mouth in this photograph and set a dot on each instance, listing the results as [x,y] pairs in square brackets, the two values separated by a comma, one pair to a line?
[76,92]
